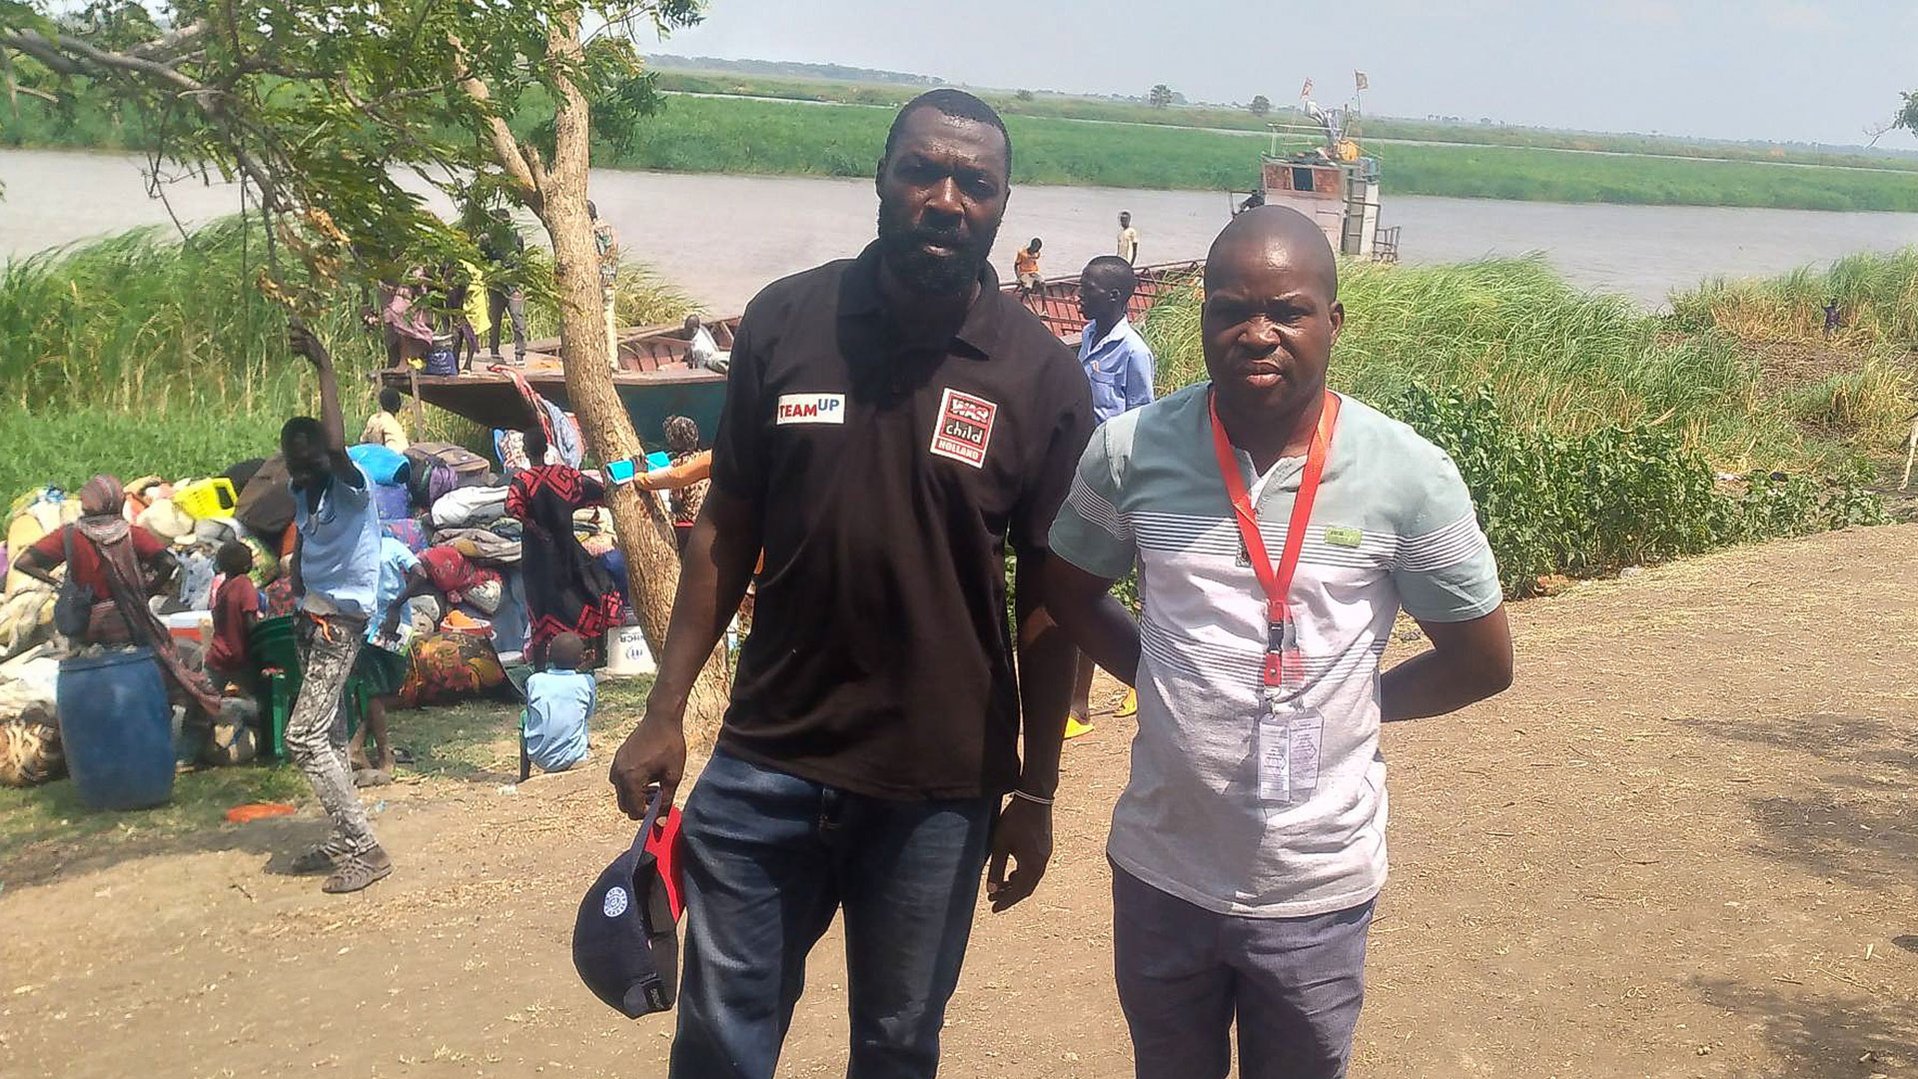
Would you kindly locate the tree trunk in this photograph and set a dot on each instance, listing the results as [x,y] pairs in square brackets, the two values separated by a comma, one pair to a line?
[652,562]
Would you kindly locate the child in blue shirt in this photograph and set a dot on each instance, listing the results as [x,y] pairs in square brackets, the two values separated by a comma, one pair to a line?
[559,701]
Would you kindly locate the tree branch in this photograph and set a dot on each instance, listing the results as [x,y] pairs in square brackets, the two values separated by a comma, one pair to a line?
[524,169]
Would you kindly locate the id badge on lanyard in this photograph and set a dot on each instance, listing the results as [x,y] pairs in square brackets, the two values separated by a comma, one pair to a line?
[1288,732]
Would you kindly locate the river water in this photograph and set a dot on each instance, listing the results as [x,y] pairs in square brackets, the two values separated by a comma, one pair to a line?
[721,238]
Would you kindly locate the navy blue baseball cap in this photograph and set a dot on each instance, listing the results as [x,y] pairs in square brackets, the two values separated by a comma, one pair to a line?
[625,938]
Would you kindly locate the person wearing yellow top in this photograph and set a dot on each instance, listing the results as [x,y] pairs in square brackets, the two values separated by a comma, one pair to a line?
[1025,267]
[1128,239]
[383,428]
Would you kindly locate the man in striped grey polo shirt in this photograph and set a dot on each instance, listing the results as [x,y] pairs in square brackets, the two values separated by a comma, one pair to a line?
[1249,844]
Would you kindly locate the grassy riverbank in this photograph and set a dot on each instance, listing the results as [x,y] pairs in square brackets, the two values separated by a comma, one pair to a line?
[1590,432]
[738,135]
[135,355]
[743,136]
[1066,106]
[1594,436]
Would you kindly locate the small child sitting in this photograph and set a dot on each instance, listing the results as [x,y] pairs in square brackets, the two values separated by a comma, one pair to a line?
[236,606]
[559,701]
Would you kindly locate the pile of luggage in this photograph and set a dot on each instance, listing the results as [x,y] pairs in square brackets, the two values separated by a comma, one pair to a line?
[440,500]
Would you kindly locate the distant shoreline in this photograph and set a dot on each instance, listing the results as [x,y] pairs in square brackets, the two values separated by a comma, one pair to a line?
[765,134]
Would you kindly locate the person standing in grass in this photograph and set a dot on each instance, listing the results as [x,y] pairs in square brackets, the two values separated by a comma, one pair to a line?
[1128,239]
[567,590]
[1278,528]
[382,664]
[1831,316]
[236,608]
[892,422]
[1118,366]
[335,573]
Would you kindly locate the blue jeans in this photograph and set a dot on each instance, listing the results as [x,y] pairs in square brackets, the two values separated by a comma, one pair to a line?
[768,858]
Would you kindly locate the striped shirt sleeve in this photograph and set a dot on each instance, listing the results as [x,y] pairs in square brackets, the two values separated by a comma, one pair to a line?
[1090,531]
[1444,570]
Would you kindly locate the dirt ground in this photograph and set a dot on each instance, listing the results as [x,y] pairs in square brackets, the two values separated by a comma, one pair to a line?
[1684,844]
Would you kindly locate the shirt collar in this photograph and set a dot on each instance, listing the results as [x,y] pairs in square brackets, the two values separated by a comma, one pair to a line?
[984,325]
[1119,331]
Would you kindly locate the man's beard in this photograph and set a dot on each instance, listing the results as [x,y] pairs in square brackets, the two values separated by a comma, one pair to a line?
[925,272]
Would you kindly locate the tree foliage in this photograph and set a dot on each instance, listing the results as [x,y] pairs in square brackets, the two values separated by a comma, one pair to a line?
[337,117]
[1159,96]
[1260,106]
[1907,116]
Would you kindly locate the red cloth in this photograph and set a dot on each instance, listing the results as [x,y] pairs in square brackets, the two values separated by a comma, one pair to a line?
[664,846]
[86,568]
[237,598]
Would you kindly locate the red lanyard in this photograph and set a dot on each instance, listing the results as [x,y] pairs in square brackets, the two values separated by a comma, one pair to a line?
[1276,581]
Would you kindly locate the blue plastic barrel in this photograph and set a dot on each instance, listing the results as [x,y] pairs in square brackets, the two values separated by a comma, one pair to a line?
[116,729]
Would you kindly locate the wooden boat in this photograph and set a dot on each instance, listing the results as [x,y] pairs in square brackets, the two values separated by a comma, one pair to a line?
[1056,302]
[655,381]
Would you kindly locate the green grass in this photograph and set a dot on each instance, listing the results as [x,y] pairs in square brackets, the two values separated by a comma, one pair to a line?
[1877,294]
[735,135]
[1589,432]
[1569,361]
[472,742]
[53,815]
[741,136]
[1066,106]
[137,355]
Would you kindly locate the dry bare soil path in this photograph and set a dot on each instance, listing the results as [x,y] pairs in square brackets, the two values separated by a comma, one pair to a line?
[1685,844]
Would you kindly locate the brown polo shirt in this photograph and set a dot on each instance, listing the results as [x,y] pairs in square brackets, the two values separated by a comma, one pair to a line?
[887,481]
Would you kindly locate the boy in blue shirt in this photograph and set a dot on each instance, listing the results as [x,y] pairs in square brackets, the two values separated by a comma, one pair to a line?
[559,701]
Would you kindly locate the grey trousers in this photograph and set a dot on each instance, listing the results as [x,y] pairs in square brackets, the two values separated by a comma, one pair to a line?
[316,731]
[500,304]
[1185,973]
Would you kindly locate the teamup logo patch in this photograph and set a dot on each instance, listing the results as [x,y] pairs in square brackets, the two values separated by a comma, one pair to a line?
[810,408]
[964,428]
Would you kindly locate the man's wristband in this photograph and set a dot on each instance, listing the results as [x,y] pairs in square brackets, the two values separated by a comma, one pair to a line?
[1033,798]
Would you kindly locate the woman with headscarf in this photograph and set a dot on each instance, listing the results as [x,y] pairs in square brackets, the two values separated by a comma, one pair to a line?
[567,591]
[114,560]
[687,477]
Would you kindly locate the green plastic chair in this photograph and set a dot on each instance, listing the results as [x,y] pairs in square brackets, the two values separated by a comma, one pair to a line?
[275,650]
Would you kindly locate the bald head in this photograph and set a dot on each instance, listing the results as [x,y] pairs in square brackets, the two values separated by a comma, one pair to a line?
[1274,236]
[1271,317]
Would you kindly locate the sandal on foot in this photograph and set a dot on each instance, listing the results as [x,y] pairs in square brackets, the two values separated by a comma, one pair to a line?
[318,860]
[358,871]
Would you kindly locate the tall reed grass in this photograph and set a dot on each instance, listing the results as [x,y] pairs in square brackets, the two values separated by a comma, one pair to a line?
[1571,361]
[1877,294]
[1590,433]
[141,353]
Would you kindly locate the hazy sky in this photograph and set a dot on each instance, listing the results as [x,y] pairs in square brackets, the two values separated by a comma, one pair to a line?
[1768,69]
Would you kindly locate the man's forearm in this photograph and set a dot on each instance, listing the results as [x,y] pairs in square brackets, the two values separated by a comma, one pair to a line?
[1468,663]
[714,571]
[330,416]
[1047,662]
[1104,631]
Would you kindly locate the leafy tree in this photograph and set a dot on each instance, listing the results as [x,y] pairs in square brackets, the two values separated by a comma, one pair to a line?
[1907,116]
[1261,106]
[320,111]
[1159,96]
[1023,95]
